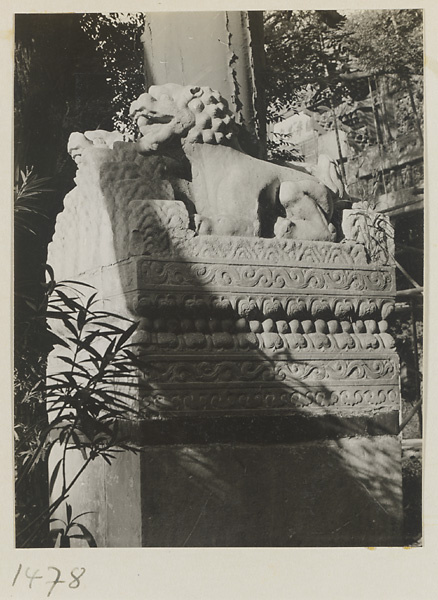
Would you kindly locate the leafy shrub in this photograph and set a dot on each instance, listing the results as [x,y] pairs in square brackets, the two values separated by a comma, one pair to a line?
[87,391]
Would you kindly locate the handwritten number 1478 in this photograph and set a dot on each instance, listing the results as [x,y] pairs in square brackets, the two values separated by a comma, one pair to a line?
[73,581]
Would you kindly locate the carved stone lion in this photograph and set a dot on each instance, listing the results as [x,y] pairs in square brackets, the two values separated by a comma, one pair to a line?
[234,193]
[100,138]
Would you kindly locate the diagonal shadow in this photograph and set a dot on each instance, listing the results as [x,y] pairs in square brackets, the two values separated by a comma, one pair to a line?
[237,450]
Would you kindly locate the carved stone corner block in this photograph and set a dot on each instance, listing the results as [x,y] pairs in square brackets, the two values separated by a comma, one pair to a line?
[373,230]
[83,239]
[157,227]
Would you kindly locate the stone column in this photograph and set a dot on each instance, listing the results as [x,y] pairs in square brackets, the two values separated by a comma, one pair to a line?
[223,50]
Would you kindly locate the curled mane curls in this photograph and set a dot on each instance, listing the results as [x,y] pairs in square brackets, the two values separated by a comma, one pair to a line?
[194,114]
[214,122]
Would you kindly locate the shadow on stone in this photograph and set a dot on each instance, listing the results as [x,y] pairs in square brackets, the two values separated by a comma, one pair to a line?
[270,401]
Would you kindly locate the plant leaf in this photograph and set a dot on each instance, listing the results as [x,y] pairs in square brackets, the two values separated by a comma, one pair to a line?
[54,475]
[69,512]
[66,282]
[126,335]
[87,535]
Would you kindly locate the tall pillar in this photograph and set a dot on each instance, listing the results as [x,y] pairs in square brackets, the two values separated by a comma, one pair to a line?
[223,50]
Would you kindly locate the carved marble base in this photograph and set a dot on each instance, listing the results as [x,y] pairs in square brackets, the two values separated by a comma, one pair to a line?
[269,390]
[229,325]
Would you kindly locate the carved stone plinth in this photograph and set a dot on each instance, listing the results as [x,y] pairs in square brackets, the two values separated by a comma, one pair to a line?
[230,324]
[270,384]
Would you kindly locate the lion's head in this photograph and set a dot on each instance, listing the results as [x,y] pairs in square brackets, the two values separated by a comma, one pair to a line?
[195,114]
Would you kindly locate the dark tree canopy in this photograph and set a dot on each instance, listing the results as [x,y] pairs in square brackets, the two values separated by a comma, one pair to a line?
[303,55]
[311,55]
[386,41]
[117,41]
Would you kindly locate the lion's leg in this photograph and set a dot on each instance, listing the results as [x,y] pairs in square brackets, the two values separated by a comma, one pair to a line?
[308,207]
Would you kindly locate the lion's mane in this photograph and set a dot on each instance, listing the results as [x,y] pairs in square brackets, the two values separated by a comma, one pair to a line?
[198,114]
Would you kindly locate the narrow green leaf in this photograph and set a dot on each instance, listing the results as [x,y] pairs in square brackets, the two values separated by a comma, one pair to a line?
[49,269]
[81,318]
[65,541]
[69,325]
[110,315]
[110,326]
[105,458]
[56,535]
[89,348]
[68,301]
[91,300]
[75,364]
[55,313]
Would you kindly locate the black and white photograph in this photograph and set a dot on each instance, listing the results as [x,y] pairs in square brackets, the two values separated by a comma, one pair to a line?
[218,279]
[219,372]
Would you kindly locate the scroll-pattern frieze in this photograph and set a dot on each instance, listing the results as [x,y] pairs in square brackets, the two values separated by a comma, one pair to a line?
[219,400]
[242,371]
[263,278]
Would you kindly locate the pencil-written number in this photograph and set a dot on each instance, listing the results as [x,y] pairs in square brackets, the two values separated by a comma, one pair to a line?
[52,578]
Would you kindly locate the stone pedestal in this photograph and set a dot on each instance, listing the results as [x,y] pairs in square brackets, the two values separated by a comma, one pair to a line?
[271,396]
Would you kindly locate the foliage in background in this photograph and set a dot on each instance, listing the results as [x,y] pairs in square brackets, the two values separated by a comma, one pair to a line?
[305,59]
[27,201]
[281,149]
[310,54]
[390,43]
[117,40]
[402,326]
[32,200]
[304,56]
[385,41]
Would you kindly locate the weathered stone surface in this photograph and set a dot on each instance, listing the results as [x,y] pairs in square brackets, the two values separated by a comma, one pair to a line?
[234,194]
[232,41]
[322,494]
[260,314]
[243,327]
[326,493]
[106,491]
